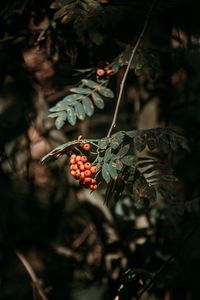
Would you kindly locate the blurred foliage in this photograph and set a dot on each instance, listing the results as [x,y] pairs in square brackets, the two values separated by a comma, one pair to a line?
[139,231]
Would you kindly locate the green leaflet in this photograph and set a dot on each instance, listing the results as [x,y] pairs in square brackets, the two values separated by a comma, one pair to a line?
[123,151]
[98,101]
[103,143]
[131,133]
[60,121]
[112,170]
[88,106]
[106,92]
[71,116]
[54,115]
[90,83]
[81,90]
[117,139]
[119,165]
[129,160]
[105,172]
[68,100]
[80,112]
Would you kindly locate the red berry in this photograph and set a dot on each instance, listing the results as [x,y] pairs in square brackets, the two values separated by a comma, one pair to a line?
[82,167]
[73,173]
[82,175]
[84,158]
[100,72]
[87,166]
[74,167]
[93,181]
[72,161]
[78,158]
[79,163]
[93,169]
[86,147]
[87,173]
[87,180]
[77,173]
[73,156]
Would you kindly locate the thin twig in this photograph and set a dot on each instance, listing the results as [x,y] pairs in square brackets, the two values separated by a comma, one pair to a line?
[35,280]
[149,284]
[128,67]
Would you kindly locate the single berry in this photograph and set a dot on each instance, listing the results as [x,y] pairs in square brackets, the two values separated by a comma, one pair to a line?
[77,173]
[87,180]
[87,173]
[93,181]
[78,158]
[72,161]
[82,167]
[73,173]
[73,156]
[71,167]
[74,167]
[79,163]
[86,147]
[87,166]
[109,72]
[100,72]
[82,175]
[84,158]
[93,169]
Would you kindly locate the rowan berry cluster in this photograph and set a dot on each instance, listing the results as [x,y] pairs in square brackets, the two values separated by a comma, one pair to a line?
[104,72]
[83,170]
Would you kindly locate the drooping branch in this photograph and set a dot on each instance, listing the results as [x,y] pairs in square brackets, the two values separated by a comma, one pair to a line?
[35,281]
[113,124]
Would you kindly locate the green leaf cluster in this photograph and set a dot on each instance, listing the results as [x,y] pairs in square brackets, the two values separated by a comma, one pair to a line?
[81,103]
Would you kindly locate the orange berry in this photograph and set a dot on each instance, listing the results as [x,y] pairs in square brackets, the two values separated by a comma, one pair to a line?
[79,163]
[100,72]
[73,173]
[71,167]
[83,158]
[77,173]
[72,161]
[93,169]
[73,156]
[93,181]
[87,166]
[78,158]
[86,147]
[82,175]
[87,180]
[74,167]
[82,167]
[87,173]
